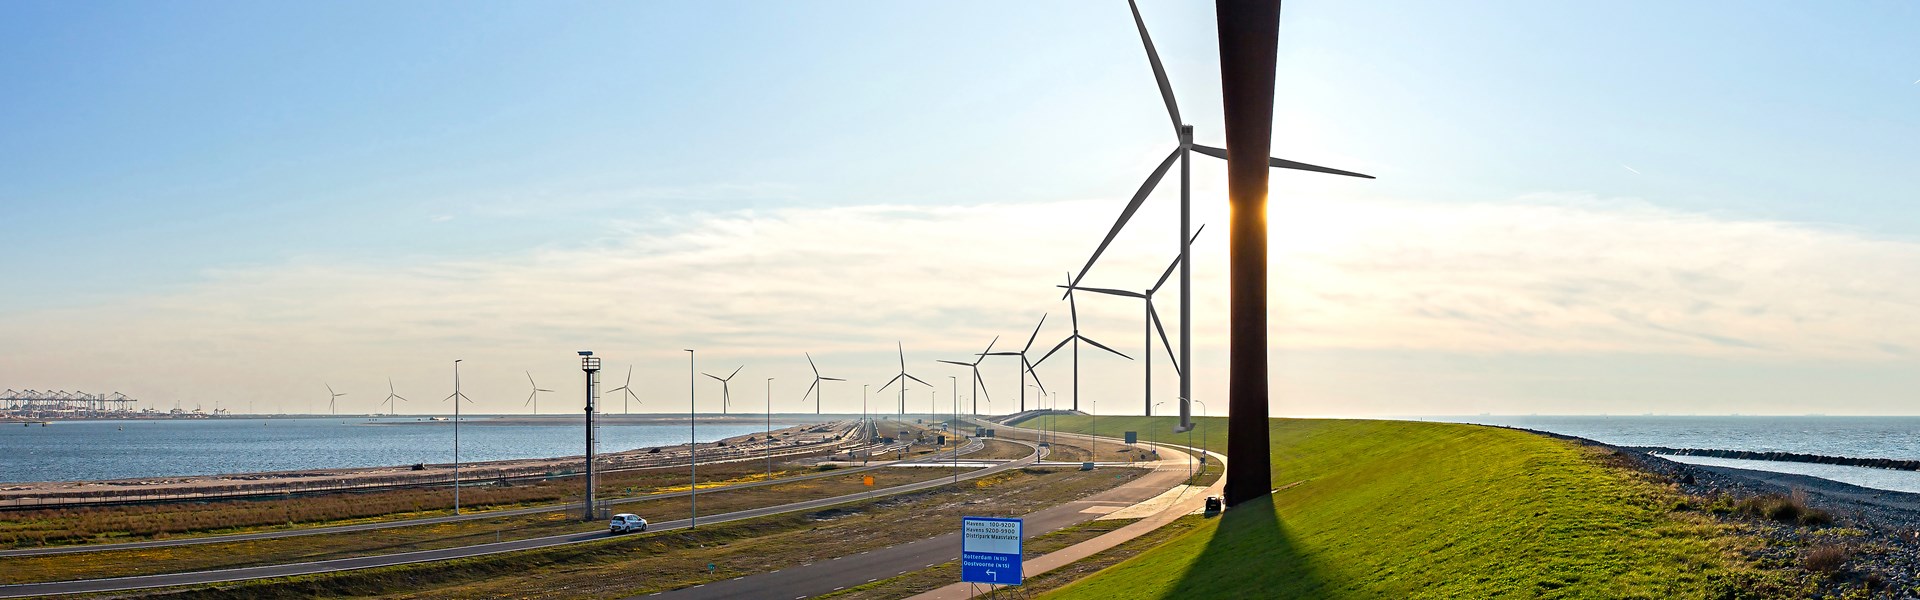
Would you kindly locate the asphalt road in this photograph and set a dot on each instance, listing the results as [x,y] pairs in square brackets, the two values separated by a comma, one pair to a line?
[345,564]
[265,535]
[825,577]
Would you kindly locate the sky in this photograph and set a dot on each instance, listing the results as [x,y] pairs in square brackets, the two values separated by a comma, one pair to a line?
[1636,207]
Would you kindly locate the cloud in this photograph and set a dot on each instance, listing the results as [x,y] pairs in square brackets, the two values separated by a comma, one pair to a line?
[1565,275]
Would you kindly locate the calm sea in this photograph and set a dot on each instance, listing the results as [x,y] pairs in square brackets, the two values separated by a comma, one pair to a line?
[89,450]
[1863,437]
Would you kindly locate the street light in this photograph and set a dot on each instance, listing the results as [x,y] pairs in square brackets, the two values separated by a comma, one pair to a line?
[693,452]
[456,435]
[1203,435]
[1151,431]
[769,440]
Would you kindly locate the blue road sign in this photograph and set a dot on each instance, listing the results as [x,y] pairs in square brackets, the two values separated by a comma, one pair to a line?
[990,550]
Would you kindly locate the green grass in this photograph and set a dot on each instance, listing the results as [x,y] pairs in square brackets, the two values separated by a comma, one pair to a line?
[1394,509]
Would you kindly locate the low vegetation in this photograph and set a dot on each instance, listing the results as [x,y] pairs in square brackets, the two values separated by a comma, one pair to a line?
[130,523]
[1394,509]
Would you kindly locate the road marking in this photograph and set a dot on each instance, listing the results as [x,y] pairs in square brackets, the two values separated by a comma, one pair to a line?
[873,580]
[840,588]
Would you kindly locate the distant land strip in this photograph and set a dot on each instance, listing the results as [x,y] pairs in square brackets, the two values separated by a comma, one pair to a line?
[1877,463]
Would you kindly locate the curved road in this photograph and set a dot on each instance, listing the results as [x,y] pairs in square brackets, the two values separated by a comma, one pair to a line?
[345,564]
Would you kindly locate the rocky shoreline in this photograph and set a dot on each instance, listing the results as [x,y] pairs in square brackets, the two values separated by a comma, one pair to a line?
[1877,463]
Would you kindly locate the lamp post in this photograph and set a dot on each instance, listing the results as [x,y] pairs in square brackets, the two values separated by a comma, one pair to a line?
[1093,455]
[591,365]
[456,435]
[864,431]
[1150,433]
[1203,435]
[953,430]
[693,452]
[769,440]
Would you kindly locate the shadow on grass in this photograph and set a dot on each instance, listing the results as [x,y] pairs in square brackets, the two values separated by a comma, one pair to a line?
[1251,555]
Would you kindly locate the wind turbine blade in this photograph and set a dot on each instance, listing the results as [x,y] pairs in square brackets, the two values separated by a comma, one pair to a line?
[1281,163]
[996,340]
[809,392]
[890,381]
[1056,348]
[918,379]
[832,379]
[736,371]
[630,374]
[983,384]
[816,368]
[1036,333]
[1176,261]
[1073,307]
[714,378]
[1003,353]
[1171,356]
[1104,347]
[1139,196]
[1111,291]
[330,390]
[530,379]
[1036,378]
[541,390]
[957,363]
[1159,72]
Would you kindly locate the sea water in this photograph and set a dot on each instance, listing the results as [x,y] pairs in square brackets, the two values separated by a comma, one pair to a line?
[1859,437]
[93,450]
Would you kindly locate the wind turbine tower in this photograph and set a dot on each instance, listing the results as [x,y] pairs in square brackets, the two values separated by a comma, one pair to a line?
[902,379]
[978,383]
[726,396]
[534,398]
[817,389]
[1025,365]
[1073,313]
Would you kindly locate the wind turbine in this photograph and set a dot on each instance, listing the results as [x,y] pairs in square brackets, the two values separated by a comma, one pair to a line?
[533,398]
[1073,311]
[330,406]
[1151,320]
[627,389]
[978,383]
[726,397]
[902,378]
[391,396]
[1182,151]
[1025,366]
[816,389]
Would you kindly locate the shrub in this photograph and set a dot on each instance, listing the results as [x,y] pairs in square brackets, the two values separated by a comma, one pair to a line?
[1785,509]
[1824,559]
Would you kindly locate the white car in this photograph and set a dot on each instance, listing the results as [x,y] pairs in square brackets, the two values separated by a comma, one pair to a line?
[626,523]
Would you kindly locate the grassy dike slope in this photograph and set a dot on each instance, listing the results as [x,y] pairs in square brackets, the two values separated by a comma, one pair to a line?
[1396,509]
